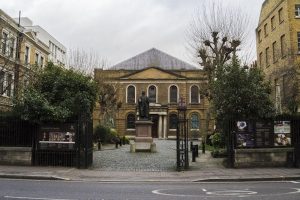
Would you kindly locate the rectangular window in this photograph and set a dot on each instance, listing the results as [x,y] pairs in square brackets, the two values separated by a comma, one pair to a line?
[297,10]
[273,23]
[9,85]
[4,42]
[11,48]
[280,15]
[267,56]
[259,35]
[298,35]
[36,58]
[26,55]
[282,46]
[2,82]
[266,30]
[261,59]
[274,46]
[42,61]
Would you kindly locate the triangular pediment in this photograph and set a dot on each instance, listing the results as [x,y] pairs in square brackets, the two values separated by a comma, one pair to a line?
[153,73]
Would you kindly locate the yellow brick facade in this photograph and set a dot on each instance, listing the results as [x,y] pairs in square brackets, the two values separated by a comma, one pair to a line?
[162,109]
[278,45]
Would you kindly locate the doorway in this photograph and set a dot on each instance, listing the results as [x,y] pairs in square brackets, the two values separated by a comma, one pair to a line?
[155,119]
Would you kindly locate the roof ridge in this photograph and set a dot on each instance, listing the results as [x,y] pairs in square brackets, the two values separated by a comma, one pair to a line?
[153,58]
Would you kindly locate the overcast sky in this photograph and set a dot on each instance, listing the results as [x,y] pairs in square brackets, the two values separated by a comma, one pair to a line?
[119,29]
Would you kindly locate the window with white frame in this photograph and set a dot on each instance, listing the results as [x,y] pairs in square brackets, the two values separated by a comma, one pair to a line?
[173,94]
[195,123]
[42,61]
[130,94]
[173,121]
[4,42]
[152,94]
[297,10]
[6,84]
[130,121]
[36,58]
[195,94]
[26,55]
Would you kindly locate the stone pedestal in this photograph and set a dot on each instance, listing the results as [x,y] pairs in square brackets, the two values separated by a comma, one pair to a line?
[143,139]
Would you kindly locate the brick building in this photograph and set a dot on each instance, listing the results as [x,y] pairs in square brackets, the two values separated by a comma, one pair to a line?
[165,79]
[278,48]
[19,51]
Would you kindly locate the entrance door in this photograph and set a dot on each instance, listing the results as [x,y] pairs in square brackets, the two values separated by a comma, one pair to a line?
[155,125]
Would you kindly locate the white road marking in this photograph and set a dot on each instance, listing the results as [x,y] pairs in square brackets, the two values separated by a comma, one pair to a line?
[159,192]
[294,182]
[204,190]
[34,198]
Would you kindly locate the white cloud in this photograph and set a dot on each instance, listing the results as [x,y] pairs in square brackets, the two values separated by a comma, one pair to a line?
[117,29]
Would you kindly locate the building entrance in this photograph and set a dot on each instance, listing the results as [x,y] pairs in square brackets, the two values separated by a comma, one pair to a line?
[154,119]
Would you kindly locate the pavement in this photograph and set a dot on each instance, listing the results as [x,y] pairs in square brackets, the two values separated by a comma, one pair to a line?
[119,165]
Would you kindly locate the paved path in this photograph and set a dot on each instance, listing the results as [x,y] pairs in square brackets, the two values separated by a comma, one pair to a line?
[122,160]
[121,165]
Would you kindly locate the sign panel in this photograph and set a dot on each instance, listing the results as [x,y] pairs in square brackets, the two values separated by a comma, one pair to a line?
[57,137]
[245,134]
[282,133]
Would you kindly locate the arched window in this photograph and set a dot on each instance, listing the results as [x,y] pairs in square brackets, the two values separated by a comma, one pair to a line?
[173,121]
[152,94]
[173,94]
[130,121]
[131,94]
[195,123]
[194,94]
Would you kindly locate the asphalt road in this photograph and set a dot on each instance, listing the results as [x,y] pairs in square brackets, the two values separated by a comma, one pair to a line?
[66,190]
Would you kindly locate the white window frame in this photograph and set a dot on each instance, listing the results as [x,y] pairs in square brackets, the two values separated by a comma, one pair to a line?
[297,10]
[29,48]
[169,93]
[134,93]
[199,99]
[5,84]
[156,90]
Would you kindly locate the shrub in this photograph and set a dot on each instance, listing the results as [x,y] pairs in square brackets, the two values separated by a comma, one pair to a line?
[217,140]
[219,153]
[102,133]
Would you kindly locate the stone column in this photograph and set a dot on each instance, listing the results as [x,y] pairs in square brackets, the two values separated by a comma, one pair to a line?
[165,127]
[160,127]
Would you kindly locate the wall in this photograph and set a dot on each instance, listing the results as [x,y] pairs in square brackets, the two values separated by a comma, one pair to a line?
[15,155]
[268,157]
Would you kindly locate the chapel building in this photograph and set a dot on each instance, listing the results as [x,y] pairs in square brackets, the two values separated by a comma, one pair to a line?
[165,79]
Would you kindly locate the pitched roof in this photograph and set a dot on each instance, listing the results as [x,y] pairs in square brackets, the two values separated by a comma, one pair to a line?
[153,58]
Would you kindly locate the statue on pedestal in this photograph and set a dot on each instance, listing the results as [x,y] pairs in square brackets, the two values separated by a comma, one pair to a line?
[143,107]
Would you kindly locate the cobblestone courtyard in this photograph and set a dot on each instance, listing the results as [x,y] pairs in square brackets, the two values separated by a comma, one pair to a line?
[122,160]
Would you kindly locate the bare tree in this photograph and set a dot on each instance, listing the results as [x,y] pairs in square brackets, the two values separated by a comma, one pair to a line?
[215,36]
[85,61]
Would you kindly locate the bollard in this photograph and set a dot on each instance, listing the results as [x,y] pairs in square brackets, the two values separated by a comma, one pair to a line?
[193,154]
[120,142]
[191,145]
[203,147]
[123,140]
[196,150]
[99,145]
[117,145]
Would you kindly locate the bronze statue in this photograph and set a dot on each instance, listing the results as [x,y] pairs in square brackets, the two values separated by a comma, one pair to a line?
[143,106]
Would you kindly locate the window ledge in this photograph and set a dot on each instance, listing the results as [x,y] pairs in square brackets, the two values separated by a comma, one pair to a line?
[195,129]
[130,129]
[172,129]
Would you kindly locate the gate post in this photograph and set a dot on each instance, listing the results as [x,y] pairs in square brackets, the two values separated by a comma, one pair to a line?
[182,137]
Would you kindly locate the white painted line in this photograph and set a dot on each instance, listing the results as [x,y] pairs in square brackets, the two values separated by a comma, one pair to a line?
[294,182]
[159,192]
[204,190]
[34,198]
